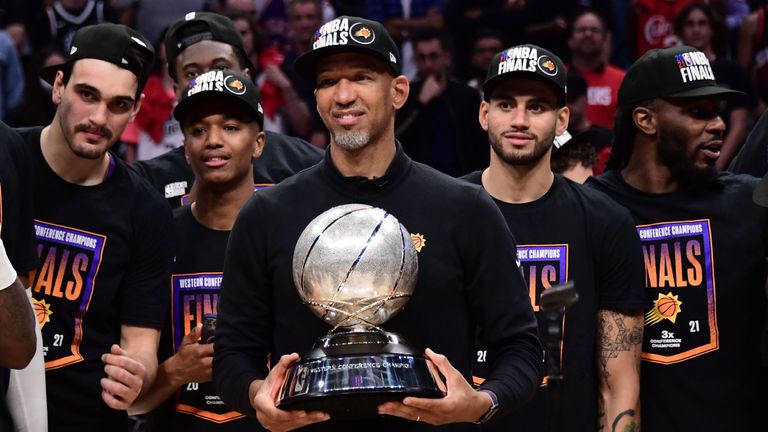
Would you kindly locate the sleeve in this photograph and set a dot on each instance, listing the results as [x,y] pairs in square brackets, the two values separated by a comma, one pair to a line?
[144,293]
[244,325]
[620,268]
[500,302]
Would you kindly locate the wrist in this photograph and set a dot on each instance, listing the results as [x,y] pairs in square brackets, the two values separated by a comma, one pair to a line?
[172,372]
[490,404]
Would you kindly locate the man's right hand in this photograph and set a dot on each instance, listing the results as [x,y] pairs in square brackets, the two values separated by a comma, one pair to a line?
[263,395]
[193,362]
[431,88]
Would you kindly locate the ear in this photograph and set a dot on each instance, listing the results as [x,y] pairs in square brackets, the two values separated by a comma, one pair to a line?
[482,115]
[400,90]
[563,115]
[645,120]
[58,88]
[136,107]
[258,147]
[247,73]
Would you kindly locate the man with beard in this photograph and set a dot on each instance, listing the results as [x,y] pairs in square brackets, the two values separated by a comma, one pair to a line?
[564,232]
[589,37]
[103,236]
[703,243]
[467,276]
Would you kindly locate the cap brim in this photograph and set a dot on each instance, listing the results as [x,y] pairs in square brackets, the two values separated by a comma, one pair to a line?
[306,64]
[711,90]
[491,84]
[181,110]
[760,194]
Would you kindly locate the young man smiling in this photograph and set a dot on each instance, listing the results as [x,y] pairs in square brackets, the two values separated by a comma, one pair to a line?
[100,291]
[564,232]
[221,117]
[704,247]
[467,271]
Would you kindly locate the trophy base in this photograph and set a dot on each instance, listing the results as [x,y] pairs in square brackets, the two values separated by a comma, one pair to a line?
[349,374]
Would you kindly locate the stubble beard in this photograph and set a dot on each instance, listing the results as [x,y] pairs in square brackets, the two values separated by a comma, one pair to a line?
[672,152]
[352,140]
[540,149]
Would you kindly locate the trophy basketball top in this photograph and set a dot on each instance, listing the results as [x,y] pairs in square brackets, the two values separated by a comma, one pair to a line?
[355,266]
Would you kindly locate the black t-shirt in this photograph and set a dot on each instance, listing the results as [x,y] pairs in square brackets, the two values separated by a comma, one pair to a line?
[467,278]
[195,282]
[17,231]
[16,205]
[704,251]
[105,254]
[283,156]
[572,233]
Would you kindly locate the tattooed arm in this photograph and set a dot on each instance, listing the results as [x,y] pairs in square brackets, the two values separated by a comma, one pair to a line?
[619,338]
[17,320]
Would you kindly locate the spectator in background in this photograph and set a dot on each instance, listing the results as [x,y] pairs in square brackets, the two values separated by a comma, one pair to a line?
[579,123]
[304,16]
[575,159]
[253,38]
[753,51]
[154,131]
[404,18]
[485,45]
[650,24]
[588,45]
[465,17]
[11,76]
[438,125]
[36,106]
[698,26]
[62,18]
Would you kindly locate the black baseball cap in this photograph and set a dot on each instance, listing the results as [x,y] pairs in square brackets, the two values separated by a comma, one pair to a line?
[671,73]
[108,42]
[208,26]
[349,34]
[220,83]
[529,62]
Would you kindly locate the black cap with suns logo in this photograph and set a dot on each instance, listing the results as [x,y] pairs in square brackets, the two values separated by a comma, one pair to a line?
[349,34]
[110,43]
[677,72]
[220,83]
[527,62]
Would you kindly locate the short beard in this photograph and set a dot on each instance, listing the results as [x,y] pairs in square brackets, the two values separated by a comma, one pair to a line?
[672,152]
[539,150]
[352,140]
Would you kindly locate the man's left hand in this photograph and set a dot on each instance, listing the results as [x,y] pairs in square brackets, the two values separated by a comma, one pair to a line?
[125,377]
[460,404]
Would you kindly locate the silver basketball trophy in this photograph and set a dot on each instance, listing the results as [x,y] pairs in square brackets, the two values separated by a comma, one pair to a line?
[355,267]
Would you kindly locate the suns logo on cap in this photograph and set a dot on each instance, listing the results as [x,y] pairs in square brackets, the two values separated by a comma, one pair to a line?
[547,65]
[361,34]
[234,85]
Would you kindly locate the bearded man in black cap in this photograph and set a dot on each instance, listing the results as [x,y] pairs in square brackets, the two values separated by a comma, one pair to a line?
[704,247]
[100,292]
[564,232]
[467,277]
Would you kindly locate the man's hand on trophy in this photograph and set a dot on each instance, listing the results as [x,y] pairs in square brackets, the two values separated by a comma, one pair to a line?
[193,362]
[460,404]
[264,397]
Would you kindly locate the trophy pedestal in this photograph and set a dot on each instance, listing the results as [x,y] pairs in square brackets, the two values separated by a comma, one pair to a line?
[350,372]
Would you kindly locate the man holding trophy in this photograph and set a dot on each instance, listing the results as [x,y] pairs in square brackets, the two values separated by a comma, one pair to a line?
[315,264]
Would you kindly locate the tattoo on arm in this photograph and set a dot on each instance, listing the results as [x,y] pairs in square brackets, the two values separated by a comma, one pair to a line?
[614,338]
[631,427]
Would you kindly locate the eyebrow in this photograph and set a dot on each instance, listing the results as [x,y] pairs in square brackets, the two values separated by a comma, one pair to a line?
[94,90]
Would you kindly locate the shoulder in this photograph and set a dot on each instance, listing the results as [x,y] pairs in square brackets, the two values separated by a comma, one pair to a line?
[291,145]
[475,177]
[597,205]
[614,71]
[140,190]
